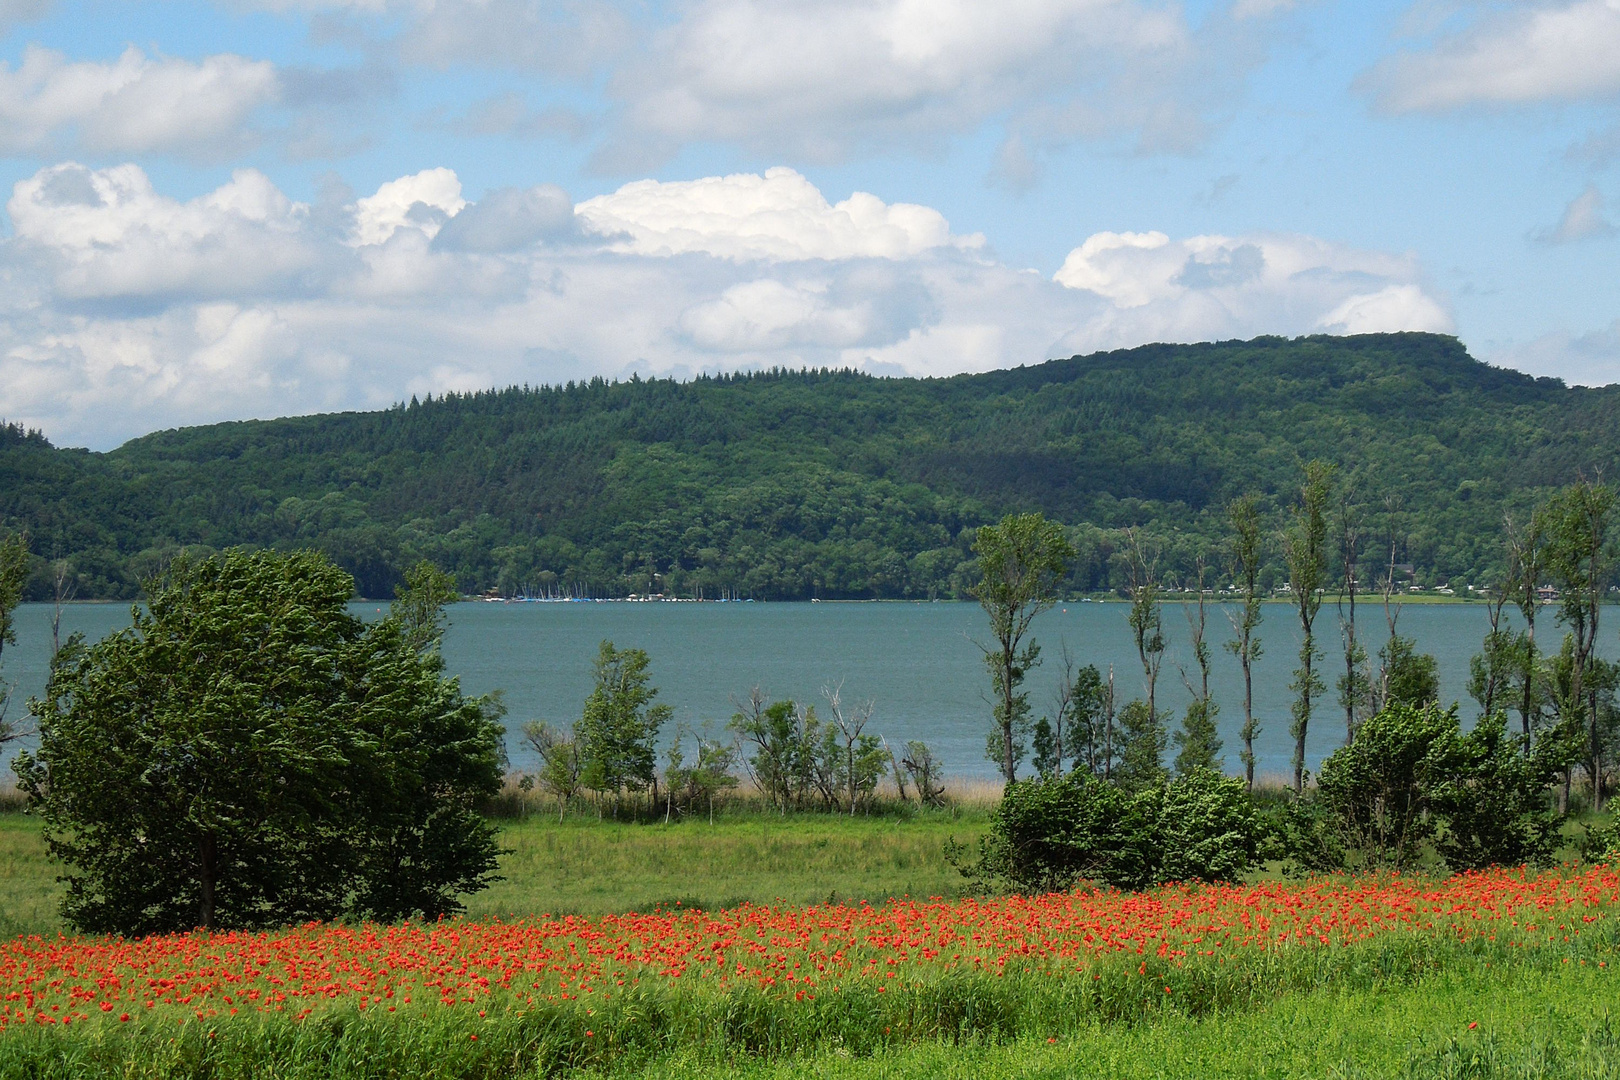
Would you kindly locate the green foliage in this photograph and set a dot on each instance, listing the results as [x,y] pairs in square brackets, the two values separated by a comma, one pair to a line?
[1244,515]
[1088,740]
[247,753]
[1198,743]
[1143,742]
[419,603]
[618,732]
[1305,547]
[1376,791]
[789,485]
[1208,828]
[1410,677]
[1021,562]
[1044,743]
[562,762]
[784,745]
[694,787]
[927,773]
[1492,801]
[1048,833]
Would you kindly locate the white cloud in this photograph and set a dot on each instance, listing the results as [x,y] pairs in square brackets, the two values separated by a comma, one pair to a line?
[135,104]
[129,310]
[107,235]
[1528,52]
[1583,219]
[1212,287]
[780,216]
[818,77]
[1589,359]
[768,314]
[424,201]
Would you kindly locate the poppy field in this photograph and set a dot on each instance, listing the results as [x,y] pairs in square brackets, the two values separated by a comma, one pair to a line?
[548,995]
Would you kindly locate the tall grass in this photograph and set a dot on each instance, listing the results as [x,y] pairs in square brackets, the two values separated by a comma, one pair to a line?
[646,1024]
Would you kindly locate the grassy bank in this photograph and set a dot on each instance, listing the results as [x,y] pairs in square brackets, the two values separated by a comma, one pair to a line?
[586,867]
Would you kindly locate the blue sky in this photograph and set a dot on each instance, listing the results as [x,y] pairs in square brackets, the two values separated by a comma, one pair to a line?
[262,207]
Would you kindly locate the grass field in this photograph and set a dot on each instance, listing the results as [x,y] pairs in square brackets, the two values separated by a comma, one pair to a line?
[1499,976]
[585,867]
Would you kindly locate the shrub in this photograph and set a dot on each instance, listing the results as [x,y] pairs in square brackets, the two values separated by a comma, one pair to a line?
[1375,791]
[1046,834]
[1492,801]
[1208,829]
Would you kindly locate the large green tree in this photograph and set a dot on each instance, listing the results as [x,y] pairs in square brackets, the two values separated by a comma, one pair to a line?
[1022,563]
[247,753]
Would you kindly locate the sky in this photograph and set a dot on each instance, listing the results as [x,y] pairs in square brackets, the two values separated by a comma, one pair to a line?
[256,208]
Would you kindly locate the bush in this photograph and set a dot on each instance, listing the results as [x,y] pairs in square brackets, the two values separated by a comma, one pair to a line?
[1048,833]
[1375,792]
[1492,801]
[1208,829]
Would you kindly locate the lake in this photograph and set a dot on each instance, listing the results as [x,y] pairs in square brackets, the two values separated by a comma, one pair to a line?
[918,662]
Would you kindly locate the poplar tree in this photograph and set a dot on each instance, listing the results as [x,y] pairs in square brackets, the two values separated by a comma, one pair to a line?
[1244,515]
[1305,547]
[1022,561]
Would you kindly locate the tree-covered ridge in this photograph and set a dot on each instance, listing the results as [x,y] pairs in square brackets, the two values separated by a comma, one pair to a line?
[833,483]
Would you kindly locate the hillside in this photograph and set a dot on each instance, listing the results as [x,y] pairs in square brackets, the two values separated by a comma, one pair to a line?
[791,485]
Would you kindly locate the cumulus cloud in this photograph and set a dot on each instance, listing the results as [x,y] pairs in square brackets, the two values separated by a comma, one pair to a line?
[509,219]
[132,105]
[1583,219]
[424,201]
[106,235]
[1211,287]
[131,305]
[1563,51]
[780,215]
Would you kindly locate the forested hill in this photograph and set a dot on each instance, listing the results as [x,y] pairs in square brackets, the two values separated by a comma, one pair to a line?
[827,483]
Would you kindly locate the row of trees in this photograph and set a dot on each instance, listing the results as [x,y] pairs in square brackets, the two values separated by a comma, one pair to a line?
[1563,700]
[1411,783]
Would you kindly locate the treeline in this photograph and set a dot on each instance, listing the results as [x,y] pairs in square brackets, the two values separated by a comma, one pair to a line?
[1408,784]
[793,485]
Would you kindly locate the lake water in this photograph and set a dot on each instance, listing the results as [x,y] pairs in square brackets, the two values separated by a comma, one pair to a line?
[916,661]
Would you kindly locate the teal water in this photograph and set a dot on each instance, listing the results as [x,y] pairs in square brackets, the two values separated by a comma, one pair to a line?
[918,663]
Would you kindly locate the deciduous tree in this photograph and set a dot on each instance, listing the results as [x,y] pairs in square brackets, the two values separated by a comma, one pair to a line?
[247,753]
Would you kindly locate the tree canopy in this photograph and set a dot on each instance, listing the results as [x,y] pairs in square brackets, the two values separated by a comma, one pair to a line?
[247,753]
[790,485]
